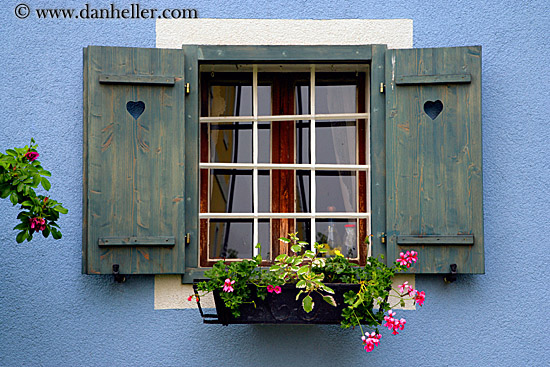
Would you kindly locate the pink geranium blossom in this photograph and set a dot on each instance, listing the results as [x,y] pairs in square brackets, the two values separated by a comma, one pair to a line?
[277,289]
[407,258]
[394,324]
[38,224]
[270,288]
[228,285]
[404,286]
[419,298]
[370,340]
[31,156]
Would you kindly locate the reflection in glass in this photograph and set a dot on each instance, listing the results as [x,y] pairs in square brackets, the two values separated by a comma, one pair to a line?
[335,99]
[338,234]
[231,239]
[302,99]
[336,191]
[264,142]
[230,100]
[230,191]
[264,199]
[264,100]
[302,142]
[303,227]
[303,191]
[231,142]
[335,142]
[264,233]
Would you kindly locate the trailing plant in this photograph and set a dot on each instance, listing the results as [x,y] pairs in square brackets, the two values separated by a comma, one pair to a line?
[20,174]
[310,271]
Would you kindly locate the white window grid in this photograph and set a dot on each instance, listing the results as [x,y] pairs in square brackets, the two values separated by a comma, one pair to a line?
[255,166]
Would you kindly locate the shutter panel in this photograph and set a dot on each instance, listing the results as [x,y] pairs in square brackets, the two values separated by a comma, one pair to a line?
[134,187]
[433,158]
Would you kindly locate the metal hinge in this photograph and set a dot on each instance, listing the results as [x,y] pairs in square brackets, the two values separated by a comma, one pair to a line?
[188,238]
[187,88]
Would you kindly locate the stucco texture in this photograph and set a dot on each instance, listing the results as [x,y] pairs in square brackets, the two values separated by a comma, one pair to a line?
[52,315]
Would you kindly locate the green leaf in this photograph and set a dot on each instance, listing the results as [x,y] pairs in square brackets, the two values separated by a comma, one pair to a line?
[20,187]
[280,257]
[330,300]
[296,248]
[46,232]
[60,209]
[328,289]
[45,173]
[21,236]
[298,295]
[307,303]
[301,284]
[56,234]
[11,152]
[303,270]
[284,239]
[45,183]
[20,227]
[13,198]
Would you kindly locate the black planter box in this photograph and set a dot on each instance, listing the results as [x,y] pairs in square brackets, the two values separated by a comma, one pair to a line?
[283,308]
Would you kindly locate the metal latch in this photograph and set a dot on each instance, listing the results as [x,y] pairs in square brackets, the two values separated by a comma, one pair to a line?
[383,238]
[188,238]
[381,87]
[187,88]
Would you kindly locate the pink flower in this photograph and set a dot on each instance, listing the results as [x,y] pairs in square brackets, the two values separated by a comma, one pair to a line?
[419,298]
[31,156]
[228,285]
[270,288]
[404,286]
[38,224]
[189,298]
[407,258]
[393,324]
[371,340]
[277,289]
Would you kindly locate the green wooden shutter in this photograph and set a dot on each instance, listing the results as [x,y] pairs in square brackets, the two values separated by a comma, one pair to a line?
[134,143]
[433,158]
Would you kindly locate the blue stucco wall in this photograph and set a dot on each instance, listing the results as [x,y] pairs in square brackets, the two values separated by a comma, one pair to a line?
[51,315]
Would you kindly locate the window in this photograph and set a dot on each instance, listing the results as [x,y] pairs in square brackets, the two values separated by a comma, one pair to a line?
[204,145]
[283,149]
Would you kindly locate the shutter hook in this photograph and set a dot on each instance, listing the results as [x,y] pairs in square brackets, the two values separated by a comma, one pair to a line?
[449,278]
[119,278]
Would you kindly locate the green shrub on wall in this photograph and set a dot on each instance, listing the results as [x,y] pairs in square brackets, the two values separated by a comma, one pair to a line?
[20,174]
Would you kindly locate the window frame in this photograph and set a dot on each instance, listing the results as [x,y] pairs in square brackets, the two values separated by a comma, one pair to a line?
[372,54]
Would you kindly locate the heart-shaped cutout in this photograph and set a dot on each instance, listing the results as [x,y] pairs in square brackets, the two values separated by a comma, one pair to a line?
[135,108]
[433,109]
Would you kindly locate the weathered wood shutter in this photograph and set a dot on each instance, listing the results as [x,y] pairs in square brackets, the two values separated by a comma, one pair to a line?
[433,158]
[134,141]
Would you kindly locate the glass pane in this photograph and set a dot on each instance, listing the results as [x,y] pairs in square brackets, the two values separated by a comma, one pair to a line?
[303,227]
[302,99]
[231,100]
[230,239]
[338,234]
[302,142]
[264,100]
[335,99]
[336,191]
[335,142]
[280,83]
[230,191]
[264,199]
[264,233]
[303,192]
[231,142]
[264,142]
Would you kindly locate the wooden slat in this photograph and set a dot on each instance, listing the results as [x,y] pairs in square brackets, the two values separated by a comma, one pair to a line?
[433,79]
[136,79]
[467,240]
[137,241]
